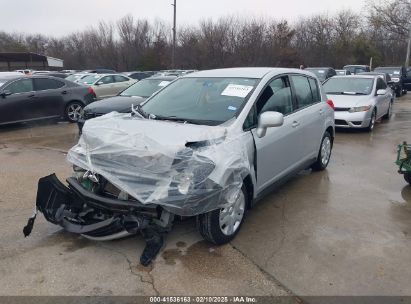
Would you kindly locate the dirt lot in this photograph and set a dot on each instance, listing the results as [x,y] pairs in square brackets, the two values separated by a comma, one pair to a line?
[345,231]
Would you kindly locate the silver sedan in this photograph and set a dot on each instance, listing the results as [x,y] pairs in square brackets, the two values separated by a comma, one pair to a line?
[359,100]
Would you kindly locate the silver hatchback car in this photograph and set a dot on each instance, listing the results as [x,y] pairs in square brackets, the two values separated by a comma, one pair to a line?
[210,145]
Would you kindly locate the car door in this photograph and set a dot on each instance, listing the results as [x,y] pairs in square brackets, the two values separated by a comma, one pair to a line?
[311,111]
[382,101]
[105,87]
[14,106]
[278,152]
[407,80]
[49,99]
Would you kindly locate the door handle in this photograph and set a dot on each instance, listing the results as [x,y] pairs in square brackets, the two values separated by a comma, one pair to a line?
[64,92]
[31,96]
[321,112]
[295,124]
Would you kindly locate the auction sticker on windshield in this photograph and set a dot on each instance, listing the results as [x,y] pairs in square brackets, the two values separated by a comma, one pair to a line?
[163,83]
[237,90]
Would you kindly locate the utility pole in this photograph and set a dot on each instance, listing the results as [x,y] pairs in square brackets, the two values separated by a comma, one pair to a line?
[407,59]
[173,55]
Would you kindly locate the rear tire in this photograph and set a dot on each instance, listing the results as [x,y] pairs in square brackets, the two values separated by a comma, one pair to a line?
[324,154]
[72,112]
[407,177]
[220,226]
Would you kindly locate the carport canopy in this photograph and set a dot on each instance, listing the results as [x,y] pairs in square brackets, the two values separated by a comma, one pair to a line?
[15,61]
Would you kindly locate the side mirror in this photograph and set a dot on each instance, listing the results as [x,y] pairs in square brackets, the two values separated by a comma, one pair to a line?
[381,92]
[100,82]
[5,93]
[269,120]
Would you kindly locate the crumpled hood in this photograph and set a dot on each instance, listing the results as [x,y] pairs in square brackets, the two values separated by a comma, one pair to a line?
[349,101]
[149,159]
[116,103]
[116,127]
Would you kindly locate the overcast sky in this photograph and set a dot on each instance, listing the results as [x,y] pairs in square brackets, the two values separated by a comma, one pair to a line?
[58,17]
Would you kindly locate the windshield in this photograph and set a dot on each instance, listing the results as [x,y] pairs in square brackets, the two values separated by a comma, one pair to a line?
[145,88]
[208,101]
[73,77]
[393,72]
[349,86]
[320,73]
[89,79]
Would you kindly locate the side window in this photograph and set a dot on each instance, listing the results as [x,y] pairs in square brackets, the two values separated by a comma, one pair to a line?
[41,84]
[381,84]
[20,86]
[106,79]
[118,78]
[409,73]
[276,97]
[302,91]
[314,90]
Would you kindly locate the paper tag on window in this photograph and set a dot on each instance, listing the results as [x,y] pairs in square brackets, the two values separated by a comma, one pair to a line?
[237,90]
[163,83]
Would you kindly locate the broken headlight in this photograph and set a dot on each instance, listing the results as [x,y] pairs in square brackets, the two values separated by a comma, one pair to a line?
[197,173]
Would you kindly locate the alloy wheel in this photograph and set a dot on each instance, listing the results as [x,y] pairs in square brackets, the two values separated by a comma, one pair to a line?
[74,111]
[232,216]
[325,151]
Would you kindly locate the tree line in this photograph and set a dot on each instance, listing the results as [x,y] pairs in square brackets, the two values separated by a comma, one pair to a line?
[347,37]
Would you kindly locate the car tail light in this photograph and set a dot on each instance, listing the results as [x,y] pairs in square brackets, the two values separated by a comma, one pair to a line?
[330,103]
[90,90]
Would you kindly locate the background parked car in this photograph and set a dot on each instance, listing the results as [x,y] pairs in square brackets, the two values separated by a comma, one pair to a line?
[386,77]
[398,76]
[322,73]
[50,73]
[133,95]
[76,77]
[100,71]
[357,68]
[359,100]
[343,72]
[28,98]
[138,75]
[107,85]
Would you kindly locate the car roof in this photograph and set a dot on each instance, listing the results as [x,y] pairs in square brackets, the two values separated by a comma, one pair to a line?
[316,68]
[168,78]
[251,72]
[357,76]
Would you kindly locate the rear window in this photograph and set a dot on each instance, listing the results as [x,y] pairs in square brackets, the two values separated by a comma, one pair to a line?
[41,84]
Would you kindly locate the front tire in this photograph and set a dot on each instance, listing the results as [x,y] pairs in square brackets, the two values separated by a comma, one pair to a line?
[389,111]
[222,225]
[372,121]
[72,112]
[324,154]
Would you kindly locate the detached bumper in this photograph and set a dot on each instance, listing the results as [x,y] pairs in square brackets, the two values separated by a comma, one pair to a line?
[68,207]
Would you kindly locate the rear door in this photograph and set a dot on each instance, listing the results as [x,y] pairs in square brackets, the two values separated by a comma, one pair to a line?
[106,87]
[15,107]
[122,83]
[49,97]
[311,114]
[278,152]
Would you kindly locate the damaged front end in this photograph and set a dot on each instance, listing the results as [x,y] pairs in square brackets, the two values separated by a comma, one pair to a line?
[134,175]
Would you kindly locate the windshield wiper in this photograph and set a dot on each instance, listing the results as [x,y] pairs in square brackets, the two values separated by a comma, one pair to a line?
[138,110]
[184,120]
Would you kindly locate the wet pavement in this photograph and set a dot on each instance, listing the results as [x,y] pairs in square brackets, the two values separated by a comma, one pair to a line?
[344,231]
